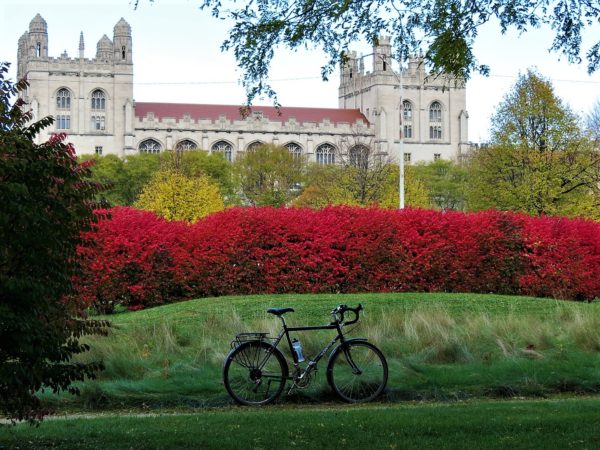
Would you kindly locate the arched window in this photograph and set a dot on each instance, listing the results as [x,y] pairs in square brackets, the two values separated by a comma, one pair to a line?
[186,144]
[98,100]
[38,50]
[359,156]
[149,146]
[435,119]
[407,112]
[435,112]
[223,147]
[294,149]
[254,145]
[63,99]
[123,52]
[325,154]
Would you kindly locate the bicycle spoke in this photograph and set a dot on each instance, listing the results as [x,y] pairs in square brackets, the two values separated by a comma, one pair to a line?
[359,372]
[253,374]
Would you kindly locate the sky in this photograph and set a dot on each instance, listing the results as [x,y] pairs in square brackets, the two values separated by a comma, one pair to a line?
[177,57]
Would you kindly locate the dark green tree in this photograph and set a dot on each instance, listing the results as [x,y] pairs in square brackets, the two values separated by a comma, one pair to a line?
[444,29]
[109,171]
[46,204]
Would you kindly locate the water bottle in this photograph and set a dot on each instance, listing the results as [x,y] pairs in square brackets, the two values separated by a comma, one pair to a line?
[298,349]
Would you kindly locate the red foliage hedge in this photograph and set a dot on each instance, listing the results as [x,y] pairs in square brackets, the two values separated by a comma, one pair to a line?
[140,260]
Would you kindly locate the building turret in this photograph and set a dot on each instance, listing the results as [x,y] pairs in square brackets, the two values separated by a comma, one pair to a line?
[122,42]
[104,49]
[382,55]
[349,69]
[81,46]
[22,55]
[38,38]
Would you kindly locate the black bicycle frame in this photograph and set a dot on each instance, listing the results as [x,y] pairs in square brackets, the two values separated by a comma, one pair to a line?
[286,331]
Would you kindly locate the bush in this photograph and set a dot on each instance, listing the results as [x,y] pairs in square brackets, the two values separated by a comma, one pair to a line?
[141,260]
[563,258]
[133,261]
[46,203]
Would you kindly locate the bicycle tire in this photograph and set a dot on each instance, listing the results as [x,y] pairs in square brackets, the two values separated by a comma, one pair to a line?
[246,369]
[353,387]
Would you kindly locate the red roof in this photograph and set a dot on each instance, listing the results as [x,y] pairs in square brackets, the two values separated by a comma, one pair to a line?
[232,112]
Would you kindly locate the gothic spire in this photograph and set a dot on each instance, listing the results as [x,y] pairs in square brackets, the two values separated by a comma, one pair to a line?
[81,45]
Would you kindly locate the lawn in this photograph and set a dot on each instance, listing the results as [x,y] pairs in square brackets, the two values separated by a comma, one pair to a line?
[569,423]
[438,346]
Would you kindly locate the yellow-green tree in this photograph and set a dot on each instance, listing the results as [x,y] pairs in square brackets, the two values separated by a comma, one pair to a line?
[336,185]
[415,191]
[326,185]
[540,160]
[176,196]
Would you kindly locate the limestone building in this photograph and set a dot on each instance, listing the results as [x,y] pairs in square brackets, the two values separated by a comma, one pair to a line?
[92,101]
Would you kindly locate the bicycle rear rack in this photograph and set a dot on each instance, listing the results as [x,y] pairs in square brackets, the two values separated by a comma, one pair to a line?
[241,338]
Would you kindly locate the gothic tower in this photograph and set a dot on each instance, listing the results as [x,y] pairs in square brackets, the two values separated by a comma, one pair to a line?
[38,38]
[122,42]
[423,113]
[91,99]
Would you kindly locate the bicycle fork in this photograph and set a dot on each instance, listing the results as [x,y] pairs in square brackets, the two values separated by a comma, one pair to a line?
[355,369]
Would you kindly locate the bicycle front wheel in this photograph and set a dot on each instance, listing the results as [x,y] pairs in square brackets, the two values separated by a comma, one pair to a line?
[255,373]
[357,371]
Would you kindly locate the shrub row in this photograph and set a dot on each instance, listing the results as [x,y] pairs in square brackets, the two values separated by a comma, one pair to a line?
[139,259]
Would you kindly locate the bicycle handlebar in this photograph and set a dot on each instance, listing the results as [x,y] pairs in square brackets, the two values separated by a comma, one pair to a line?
[342,309]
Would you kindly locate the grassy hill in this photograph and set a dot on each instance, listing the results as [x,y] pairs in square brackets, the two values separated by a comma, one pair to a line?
[439,346]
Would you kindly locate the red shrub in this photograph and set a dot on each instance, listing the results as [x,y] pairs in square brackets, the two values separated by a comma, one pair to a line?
[132,262]
[563,258]
[140,259]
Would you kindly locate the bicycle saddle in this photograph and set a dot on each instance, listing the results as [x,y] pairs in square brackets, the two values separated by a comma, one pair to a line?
[279,311]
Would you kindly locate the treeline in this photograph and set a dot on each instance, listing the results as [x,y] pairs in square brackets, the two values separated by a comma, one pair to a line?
[541,160]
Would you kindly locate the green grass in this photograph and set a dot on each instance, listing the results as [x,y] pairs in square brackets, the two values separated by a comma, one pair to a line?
[570,423]
[439,347]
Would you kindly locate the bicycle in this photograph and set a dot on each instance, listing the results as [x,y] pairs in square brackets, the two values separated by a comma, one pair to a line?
[255,371]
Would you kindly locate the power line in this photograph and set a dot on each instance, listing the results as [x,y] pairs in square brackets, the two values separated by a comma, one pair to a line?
[171,83]
[279,80]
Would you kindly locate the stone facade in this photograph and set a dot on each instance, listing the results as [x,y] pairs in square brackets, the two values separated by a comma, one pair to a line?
[92,101]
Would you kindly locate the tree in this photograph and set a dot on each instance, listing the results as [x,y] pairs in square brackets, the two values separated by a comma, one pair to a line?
[197,163]
[326,185]
[109,170]
[444,29]
[175,196]
[415,191]
[269,175]
[593,123]
[124,178]
[366,170]
[361,176]
[540,160]
[335,185]
[445,183]
[46,204]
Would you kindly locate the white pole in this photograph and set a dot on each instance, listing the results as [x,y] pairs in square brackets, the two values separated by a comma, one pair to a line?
[401,165]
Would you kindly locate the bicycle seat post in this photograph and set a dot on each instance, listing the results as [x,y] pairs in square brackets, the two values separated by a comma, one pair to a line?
[282,321]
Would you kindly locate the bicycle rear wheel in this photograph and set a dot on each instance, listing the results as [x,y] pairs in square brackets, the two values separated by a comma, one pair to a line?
[255,373]
[357,371]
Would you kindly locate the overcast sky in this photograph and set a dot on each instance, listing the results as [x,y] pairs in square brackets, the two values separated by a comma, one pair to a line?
[177,57]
